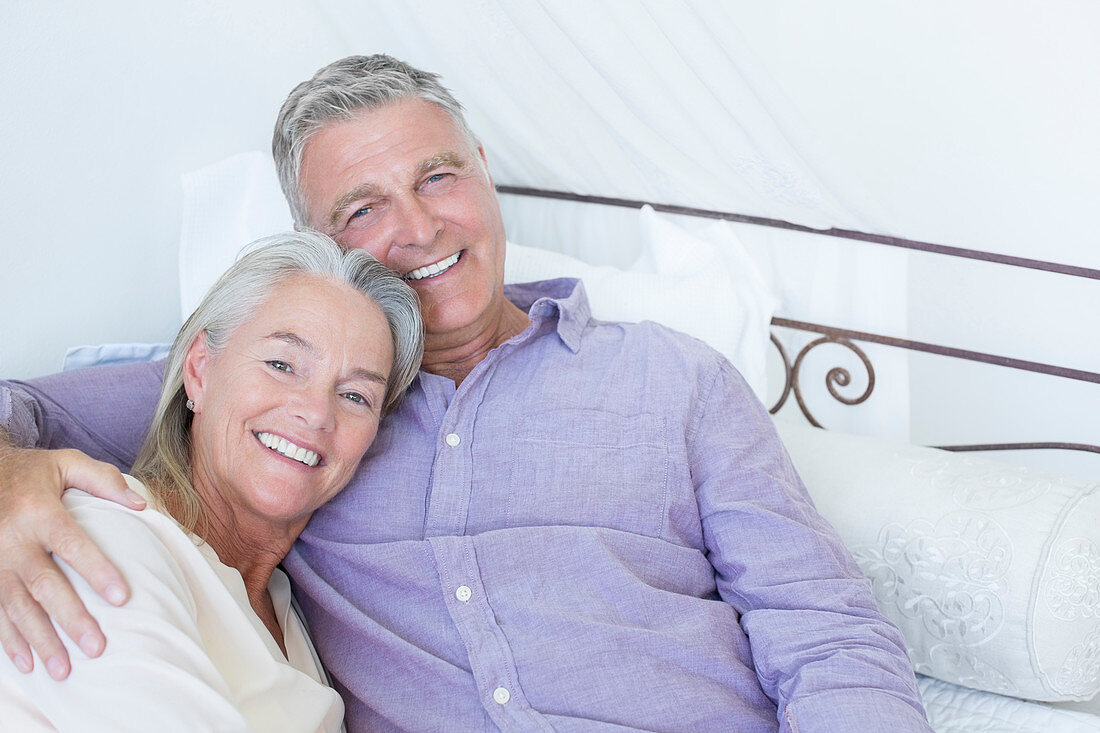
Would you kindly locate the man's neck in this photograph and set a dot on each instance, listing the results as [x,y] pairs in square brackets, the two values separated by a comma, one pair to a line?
[455,358]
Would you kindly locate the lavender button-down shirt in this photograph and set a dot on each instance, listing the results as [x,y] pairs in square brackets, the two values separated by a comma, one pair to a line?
[597,530]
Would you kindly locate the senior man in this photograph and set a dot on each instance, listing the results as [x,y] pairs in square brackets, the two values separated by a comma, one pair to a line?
[567,525]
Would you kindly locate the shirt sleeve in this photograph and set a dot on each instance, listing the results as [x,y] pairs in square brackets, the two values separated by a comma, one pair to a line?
[820,647]
[155,673]
[103,411]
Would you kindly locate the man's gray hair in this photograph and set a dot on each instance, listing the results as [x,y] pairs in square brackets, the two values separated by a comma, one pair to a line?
[165,458]
[339,91]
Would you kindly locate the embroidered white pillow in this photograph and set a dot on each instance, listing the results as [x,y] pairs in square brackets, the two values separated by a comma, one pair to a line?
[991,571]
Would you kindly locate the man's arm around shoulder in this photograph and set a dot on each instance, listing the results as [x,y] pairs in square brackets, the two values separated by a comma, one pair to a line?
[60,412]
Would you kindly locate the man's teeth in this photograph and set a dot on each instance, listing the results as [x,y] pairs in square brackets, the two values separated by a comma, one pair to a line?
[288,449]
[433,269]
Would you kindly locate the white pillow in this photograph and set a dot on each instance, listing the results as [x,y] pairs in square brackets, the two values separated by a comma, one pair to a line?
[991,571]
[83,357]
[225,206]
[682,281]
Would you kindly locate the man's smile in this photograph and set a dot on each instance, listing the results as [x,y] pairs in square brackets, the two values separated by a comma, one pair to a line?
[433,269]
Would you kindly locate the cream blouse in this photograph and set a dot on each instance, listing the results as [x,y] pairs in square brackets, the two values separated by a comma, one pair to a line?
[185,653]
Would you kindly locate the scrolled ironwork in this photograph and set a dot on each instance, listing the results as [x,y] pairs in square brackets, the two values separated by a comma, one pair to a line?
[839,376]
[787,374]
[836,377]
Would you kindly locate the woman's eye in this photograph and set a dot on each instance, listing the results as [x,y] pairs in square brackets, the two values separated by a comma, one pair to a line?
[355,397]
[279,365]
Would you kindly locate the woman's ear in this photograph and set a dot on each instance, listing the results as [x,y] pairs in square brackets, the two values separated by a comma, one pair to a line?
[195,363]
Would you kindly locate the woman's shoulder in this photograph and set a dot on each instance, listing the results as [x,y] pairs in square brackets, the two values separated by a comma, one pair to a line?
[128,536]
[84,506]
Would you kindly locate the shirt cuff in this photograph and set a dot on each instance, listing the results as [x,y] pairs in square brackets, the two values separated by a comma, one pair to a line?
[17,418]
[852,711]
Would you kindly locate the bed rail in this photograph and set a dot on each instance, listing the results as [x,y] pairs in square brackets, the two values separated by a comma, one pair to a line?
[839,376]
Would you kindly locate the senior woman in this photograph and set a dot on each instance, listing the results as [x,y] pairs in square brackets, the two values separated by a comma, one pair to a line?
[272,393]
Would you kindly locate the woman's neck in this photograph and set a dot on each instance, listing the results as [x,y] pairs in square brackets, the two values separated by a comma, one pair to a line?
[253,547]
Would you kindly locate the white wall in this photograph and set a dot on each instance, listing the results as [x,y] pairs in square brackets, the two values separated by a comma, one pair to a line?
[105,105]
[970,124]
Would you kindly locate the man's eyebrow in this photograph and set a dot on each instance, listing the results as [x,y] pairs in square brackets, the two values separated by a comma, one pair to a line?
[439,160]
[360,192]
[369,190]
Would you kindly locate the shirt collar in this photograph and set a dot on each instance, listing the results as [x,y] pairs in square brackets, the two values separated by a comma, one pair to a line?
[563,298]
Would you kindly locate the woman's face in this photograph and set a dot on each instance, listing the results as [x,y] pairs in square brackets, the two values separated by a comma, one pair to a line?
[285,411]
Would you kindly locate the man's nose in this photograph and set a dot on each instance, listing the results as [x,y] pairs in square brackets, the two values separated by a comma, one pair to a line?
[416,223]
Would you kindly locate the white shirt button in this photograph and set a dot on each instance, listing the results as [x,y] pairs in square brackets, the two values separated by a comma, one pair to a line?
[463,593]
[453,440]
[501,695]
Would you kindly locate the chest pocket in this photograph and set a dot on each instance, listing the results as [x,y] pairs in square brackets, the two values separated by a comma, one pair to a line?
[589,468]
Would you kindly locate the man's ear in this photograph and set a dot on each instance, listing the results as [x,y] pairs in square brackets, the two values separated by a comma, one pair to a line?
[195,364]
[485,163]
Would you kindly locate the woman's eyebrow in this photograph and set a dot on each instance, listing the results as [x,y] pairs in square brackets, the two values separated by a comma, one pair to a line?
[294,339]
[368,374]
[291,338]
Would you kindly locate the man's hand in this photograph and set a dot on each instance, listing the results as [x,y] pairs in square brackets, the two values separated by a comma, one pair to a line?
[33,523]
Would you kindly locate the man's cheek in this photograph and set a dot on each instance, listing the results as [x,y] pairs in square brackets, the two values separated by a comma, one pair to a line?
[357,240]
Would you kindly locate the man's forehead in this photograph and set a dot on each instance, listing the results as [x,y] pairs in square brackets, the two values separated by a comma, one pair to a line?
[407,138]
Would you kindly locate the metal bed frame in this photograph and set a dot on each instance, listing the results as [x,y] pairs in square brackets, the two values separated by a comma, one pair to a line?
[839,376]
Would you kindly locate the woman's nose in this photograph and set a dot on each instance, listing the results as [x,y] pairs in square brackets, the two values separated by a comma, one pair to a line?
[314,407]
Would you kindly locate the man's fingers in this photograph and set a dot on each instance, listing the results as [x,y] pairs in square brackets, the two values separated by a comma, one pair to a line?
[97,478]
[68,541]
[13,642]
[53,593]
[34,523]
[27,621]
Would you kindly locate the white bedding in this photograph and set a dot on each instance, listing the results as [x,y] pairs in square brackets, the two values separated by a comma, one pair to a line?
[955,709]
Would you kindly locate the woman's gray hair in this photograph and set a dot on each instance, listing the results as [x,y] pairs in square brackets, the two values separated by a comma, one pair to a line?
[339,91]
[165,458]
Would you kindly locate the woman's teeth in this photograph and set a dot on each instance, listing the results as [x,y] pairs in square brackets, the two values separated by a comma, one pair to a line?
[433,269]
[288,449]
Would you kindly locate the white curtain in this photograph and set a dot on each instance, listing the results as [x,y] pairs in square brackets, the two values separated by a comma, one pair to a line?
[661,101]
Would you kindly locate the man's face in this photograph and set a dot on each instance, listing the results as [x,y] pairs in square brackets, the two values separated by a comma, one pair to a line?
[403,183]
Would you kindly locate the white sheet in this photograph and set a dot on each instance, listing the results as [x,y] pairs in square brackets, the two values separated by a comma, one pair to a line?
[954,709]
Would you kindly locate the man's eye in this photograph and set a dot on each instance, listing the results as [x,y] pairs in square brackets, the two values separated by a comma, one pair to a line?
[279,365]
[361,212]
[435,178]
